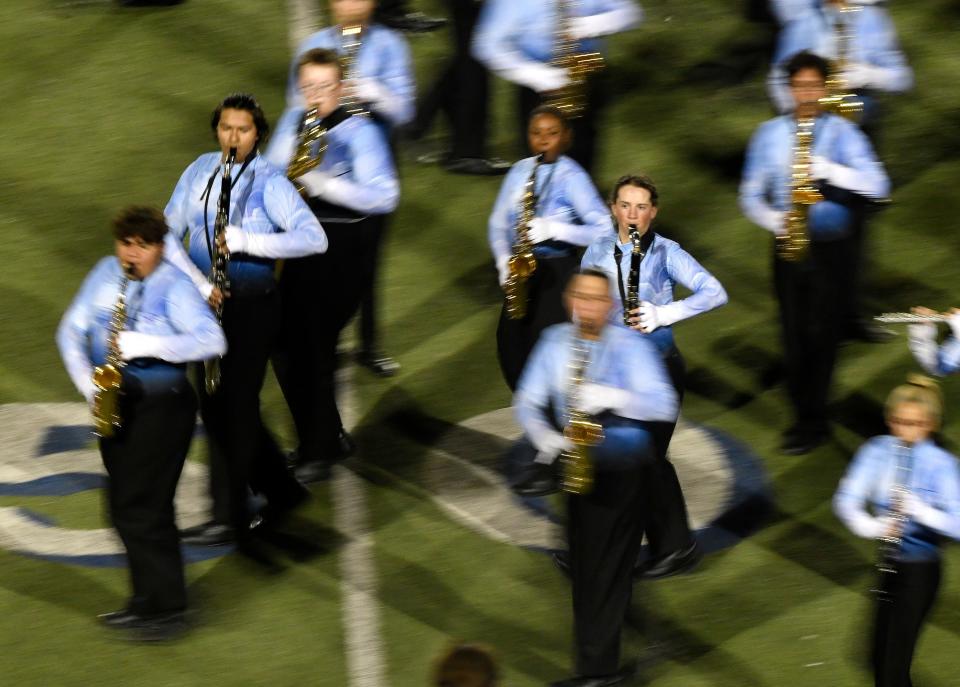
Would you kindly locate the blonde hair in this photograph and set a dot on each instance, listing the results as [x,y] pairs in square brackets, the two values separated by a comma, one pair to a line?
[465,665]
[921,390]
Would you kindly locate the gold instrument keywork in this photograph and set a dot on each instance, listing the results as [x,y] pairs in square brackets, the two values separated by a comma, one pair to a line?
[571,99]
[107,378]
[838,99]
[311,146]
[220,263]
[910,318]
[794,244]
[522,263]
[633,281]
[351,39]
[577,463]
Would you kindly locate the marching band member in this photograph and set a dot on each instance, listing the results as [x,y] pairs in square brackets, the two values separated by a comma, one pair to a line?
[846,173]
[520,42]
[142,316]
[618,379]
[939,360]
[267,221]
[353,183]
[904,490]
[567,213]
[648,288]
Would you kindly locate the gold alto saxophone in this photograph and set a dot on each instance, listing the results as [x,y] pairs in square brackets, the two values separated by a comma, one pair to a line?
[793,245]
[577,463]
[351,39]
[571,100]
[108,377]
[890,543]
[522,263]
[633,281]
[838,100]
[221,263]
[311,146]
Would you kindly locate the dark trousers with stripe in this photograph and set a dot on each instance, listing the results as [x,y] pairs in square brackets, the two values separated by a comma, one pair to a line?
[516,338]
[243,454]
[370,270]
[143,461]
[320,294]
[911,592]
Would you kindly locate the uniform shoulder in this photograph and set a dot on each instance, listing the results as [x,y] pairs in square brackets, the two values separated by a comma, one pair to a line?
[556,332]
[570,166]
[662,242]
[388,36]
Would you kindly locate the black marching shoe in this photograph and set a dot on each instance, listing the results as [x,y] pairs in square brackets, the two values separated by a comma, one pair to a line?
[378,363]
[621,677]
[153,628]
[674,563]
[208,534]
[118,619]
[320,469]
[536,479]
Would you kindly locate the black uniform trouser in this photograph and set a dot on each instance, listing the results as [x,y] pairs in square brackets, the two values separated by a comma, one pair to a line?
[811,306]
[668,527]
[144,460]
[463,89]
[912,590]
[516,338]
[242,453]
[370,270]
[320,294]
[604,532]
[585,128]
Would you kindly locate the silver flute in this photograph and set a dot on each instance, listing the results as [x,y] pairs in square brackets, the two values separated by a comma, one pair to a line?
[910,318]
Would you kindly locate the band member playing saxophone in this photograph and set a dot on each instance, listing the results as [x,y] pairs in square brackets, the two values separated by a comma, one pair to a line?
[552,50]
[937,359]
[645,266]
[267,220]
[548,204]
[845,172]
[352,180]
[903,490]
[623,386]
[147,317]
[377,81]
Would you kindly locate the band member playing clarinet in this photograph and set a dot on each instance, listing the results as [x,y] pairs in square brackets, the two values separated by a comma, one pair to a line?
[546,209]
[615,381]
[937,359]
[645,266]
[267,220]
[903,490]
[343,164]
[139,317]
[804,177]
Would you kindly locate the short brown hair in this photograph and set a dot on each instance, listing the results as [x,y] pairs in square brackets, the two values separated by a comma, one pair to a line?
[466,665]
[638,180]
[550,111]
[322,57]
[140,221]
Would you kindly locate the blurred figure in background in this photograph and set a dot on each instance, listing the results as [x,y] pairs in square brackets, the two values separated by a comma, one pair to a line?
[786,11]
[617,379]
[462,92]
[843,170]
[936,359]
[466,665]
[143,316]
[525,43]
[645,266]
[551,202]
[351,180]
[904,491]
[397,15]
[267,221]
[378,79]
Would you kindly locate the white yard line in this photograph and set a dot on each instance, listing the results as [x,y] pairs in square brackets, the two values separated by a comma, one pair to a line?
[366,666]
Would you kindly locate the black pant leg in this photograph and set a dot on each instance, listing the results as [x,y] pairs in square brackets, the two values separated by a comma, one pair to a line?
[823,327]
[898,622]
[144,461]
[374,231]
[470,106]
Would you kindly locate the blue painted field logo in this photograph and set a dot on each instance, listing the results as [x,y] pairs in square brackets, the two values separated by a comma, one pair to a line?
[47,450]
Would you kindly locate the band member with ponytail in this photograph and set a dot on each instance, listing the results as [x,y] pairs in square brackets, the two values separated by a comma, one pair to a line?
[936,359]
[353,181]
[568,213]
[645,266]
[267,221]
[377,79]
[618,380]
[904,490]
[846,173]
[142,315]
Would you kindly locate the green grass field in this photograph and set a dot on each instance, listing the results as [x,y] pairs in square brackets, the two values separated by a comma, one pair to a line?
[106,107]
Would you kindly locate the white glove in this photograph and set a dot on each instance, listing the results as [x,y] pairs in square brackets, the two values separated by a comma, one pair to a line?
[835,174]
[236,239]
[923,513]
[540,230]
[134,345]
[954,322]
[370,90]
[597,398]
[503,271]
[88,389]
[540,77]
[654,316]
[551,445]
[774,221]
[315,181]
[861,75]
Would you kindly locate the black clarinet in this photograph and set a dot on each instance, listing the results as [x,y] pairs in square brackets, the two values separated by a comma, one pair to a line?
[890,542]
[633,281]
[221,262]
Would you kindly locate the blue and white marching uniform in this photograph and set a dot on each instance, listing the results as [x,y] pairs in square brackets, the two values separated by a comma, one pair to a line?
[936,359]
